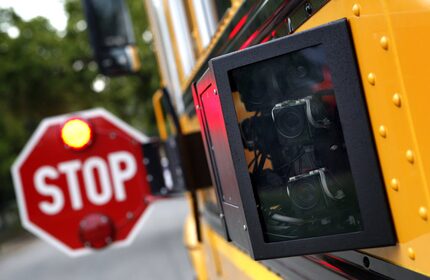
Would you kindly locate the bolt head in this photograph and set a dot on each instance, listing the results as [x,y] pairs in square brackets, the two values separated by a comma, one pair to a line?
[394,184]
[411,253]
[384,42]
[382,131]
[410,156]
[371,78]
[397,100]
[308,8]
[423,213]
[356,10]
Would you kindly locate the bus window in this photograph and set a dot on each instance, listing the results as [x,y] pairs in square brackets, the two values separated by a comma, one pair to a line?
[205,16]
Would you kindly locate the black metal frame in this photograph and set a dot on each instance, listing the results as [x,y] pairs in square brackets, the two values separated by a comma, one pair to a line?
[206,84]
[242,217]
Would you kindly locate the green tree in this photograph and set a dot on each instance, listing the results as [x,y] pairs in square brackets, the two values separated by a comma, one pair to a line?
[44,72]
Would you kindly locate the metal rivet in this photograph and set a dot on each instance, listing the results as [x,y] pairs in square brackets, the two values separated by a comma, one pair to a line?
[245,228]
[215,92]
[394,184]
[411,253]
[382,131]
[423,213]
[356,10]
[384,42]
[371,79]
[396,100]
[308,8]
[410,156]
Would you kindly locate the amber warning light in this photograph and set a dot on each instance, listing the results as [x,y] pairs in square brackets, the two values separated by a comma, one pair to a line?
[76,134]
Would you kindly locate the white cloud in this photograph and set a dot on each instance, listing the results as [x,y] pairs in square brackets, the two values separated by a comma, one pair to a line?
[53,10]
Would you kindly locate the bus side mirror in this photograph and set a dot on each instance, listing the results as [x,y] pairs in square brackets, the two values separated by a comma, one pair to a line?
[111,36]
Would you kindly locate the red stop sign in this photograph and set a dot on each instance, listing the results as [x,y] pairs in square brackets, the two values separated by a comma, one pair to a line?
[91,197]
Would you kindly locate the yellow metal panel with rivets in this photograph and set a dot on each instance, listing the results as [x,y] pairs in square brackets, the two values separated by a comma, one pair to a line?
[392,43]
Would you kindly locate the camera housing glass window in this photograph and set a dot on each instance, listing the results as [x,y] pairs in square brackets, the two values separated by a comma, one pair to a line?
[289,143]
[294,146]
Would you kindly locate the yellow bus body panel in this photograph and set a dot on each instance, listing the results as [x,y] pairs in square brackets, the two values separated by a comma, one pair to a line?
[392,47]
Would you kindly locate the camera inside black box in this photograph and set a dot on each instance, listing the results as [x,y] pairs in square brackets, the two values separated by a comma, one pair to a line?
[294,146]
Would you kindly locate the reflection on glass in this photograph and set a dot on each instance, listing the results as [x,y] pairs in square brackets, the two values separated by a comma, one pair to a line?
[294,146]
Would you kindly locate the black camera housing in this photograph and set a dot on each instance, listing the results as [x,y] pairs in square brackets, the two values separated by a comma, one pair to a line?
[249,191]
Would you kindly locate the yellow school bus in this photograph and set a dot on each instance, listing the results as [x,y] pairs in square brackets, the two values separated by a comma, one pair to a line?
[315,129]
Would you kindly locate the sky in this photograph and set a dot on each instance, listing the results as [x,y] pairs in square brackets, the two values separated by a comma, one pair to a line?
[53,10]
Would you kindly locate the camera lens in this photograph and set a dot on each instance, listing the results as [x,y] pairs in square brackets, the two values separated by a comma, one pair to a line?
[304,195]
[290,123]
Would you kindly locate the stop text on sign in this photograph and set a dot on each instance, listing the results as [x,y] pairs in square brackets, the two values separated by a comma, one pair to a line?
[121,165]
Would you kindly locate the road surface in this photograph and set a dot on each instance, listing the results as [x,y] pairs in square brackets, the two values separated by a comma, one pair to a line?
[157,253]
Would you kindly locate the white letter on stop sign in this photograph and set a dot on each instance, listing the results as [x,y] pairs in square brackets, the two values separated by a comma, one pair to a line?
[90,166]
[49,208]
[119,175]
[70,168]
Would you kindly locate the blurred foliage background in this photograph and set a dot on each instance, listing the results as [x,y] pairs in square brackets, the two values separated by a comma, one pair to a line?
[45,72]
